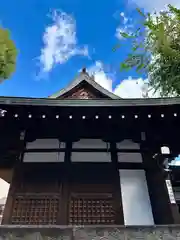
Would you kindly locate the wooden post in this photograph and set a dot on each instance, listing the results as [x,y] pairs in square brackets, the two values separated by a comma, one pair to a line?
[64,201]
[119,218]
[161,206]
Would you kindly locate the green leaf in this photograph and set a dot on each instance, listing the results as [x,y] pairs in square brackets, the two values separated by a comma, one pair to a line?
[124,66]
[135,48]
[140,67]
[116,47]
[125,35]
[8,55]
[140,12]
[157,36]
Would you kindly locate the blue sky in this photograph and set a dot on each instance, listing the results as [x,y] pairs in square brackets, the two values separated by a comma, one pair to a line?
[56,39]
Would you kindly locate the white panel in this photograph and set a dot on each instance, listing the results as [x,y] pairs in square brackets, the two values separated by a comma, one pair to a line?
[44,157]
[165,150]
[45,143]
[127,144]
[90,157]
[61,156]
[170,191]
[135,198]
[129,157]
[90,143]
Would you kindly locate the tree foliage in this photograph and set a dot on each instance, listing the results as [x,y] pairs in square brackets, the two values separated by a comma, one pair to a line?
[8,55]
[156,50]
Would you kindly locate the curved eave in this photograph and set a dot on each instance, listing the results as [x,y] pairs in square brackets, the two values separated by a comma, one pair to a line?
[88,102]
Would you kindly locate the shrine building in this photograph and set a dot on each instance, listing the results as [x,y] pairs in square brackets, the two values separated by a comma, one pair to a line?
[84,156]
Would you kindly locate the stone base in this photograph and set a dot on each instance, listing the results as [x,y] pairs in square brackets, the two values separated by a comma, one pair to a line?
[11,232]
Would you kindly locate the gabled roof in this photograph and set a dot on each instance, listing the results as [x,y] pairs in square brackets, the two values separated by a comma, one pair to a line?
[84,77]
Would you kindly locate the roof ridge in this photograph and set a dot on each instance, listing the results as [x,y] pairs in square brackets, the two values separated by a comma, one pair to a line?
[84,76]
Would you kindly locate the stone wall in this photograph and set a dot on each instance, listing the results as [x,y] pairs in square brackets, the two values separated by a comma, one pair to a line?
[89,233]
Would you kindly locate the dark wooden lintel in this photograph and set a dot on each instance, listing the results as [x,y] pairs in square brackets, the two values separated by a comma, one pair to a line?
[86,150]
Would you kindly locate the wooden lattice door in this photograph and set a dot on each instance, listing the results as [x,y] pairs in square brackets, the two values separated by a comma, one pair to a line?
[35,210]
[92,197]
[37,195]
[91,208]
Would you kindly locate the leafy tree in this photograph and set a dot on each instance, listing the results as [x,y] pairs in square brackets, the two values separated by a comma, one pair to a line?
[156,50]
[8,55]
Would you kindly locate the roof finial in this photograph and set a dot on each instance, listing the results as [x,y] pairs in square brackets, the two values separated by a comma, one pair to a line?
[84,70]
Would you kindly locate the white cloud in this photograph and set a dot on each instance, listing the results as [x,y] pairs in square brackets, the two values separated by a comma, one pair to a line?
[100,76]
[125,19]
[124,26]
[128,88]
[159,5]
[135,88]
[60,41]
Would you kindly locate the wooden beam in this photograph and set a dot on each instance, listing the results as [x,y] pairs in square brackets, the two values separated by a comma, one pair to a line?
[82,150]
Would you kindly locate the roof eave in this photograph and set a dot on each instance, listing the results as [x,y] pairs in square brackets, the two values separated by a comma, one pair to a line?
[88,102]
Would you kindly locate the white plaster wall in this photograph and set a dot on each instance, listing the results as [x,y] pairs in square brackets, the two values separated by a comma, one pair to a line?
[129,157]
[127,144]
[44,157]
[90,157]
[177,196]
[90,143]
[135,198]
[45,143]
[4,188]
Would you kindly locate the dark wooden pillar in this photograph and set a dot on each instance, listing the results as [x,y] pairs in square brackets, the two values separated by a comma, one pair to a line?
[65,193]
[18,143]
[64,200]
[161,206]
[119,218]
